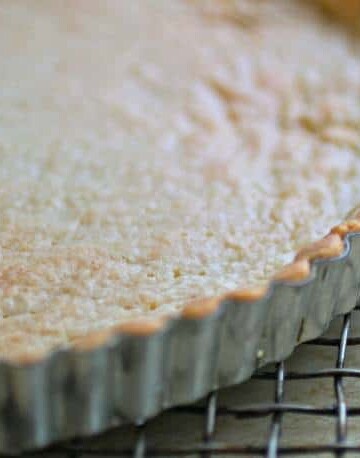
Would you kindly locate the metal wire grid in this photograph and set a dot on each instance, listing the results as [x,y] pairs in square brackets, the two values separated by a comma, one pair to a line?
[277,378]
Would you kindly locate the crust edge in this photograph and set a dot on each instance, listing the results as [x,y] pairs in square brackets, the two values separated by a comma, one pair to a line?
[326,248]
[330,246]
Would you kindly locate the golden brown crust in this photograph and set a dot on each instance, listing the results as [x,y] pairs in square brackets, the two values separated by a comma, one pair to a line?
[328,247]
[28,358]
[200,308]
[93,340]
[296,271]
[346,228]
[141,327]
[248,294]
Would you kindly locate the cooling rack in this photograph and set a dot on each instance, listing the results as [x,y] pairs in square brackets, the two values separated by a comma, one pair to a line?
[338,408]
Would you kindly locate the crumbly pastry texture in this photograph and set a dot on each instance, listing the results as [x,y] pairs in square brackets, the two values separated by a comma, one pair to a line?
[155,153]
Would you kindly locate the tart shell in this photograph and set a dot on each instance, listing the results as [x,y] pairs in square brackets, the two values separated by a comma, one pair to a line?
[133,371]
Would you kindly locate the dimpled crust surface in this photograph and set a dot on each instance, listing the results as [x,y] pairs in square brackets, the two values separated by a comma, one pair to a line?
[157,152]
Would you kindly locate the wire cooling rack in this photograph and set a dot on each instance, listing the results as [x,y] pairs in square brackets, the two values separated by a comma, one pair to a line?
[277,440]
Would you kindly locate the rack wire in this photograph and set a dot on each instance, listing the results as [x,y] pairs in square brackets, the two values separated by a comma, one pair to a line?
[277,379]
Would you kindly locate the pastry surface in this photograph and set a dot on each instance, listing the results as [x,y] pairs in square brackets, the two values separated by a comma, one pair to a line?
[155,153]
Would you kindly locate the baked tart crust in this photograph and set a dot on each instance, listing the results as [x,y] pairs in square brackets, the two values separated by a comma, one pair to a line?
[75,205]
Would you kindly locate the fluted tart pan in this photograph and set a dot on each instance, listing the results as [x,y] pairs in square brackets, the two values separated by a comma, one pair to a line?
[132,372]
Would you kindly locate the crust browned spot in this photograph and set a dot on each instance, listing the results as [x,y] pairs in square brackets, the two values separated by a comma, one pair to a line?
[296,271]
[200,308]
[328,247]
[346,227]
[92,340]
[247,294]
[27,358]
[141,326]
